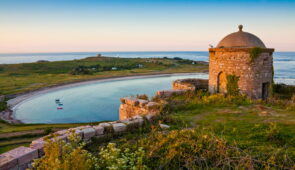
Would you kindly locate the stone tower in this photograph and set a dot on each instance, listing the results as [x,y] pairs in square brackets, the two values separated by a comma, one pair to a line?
[241,63]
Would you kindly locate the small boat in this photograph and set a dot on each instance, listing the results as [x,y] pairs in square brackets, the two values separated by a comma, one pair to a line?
[59,108]
[57,100]
[60,104]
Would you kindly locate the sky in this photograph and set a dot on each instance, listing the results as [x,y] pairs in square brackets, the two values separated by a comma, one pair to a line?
[28,26]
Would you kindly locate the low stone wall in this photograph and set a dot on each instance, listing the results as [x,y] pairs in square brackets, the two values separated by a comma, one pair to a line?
[190,84]
[22,157]
[164,94]
[131,107]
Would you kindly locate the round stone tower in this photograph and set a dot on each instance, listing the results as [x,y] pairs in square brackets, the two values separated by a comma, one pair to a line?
[241,63]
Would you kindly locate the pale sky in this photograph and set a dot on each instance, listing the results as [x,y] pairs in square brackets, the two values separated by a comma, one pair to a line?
[156,25]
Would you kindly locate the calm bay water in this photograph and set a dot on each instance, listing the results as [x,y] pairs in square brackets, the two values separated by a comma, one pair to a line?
[89,103]
[100,101]
[284,62]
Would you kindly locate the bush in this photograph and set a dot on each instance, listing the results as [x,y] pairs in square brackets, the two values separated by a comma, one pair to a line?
[48,130]
[254,53]
[3,106]
[81,70]
[60,155]
[232,85]
[283,91]
[111,157]
[199,149]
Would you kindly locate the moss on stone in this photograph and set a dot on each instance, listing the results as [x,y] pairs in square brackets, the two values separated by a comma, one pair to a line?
[254,53]
[232,85]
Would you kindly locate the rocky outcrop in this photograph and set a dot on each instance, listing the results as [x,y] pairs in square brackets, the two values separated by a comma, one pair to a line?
[131,107]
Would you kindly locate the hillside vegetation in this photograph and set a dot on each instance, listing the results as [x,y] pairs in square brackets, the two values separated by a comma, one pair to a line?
[206,132]
[19,78]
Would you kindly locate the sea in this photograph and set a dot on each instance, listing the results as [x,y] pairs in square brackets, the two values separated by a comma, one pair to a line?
[284,62]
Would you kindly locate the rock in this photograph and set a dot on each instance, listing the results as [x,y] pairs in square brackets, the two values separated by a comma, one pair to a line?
[88,133]
[142,103]
[131,101]
[39,147]
[62,132]
[163,126]
[169,93]
[152,106]
[61,137]
[99,130]
[8,162]
[105,125]
[150,117]
[24,155]
[119,127]
[190,84]
[39,140]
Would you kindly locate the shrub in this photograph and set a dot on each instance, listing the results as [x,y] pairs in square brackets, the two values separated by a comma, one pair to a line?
[232,85]
[198,149]
[81,70]
[60,155]
[48,130]
[111,157]
[3,106]
[254,53]
[283,91]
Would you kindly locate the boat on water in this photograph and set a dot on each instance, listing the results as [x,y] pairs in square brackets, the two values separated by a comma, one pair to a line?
[59,108]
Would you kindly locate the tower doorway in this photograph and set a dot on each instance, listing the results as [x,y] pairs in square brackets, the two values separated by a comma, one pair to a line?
[221,83]
[265,87]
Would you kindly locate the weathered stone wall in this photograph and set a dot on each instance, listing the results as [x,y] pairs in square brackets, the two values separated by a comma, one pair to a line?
[252,74]
[21,158]
[131,106]
[190,84]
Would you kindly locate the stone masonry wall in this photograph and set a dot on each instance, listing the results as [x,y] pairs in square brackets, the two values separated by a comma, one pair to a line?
[131,106]
[190,84]
[252,74]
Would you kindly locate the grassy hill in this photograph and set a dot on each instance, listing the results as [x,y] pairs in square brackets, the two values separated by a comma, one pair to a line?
[19,78]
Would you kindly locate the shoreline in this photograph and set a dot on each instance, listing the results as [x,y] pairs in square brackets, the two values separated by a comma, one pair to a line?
[8,115]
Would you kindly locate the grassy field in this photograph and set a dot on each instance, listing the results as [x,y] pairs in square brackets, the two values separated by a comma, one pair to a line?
[19,78]
[206,132]
[214,131]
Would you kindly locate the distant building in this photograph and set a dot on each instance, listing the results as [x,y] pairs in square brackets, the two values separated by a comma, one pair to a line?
[244,58]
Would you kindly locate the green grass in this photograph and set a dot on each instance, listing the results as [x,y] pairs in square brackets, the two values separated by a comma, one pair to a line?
[217,131]
[257,128]
[19,78]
